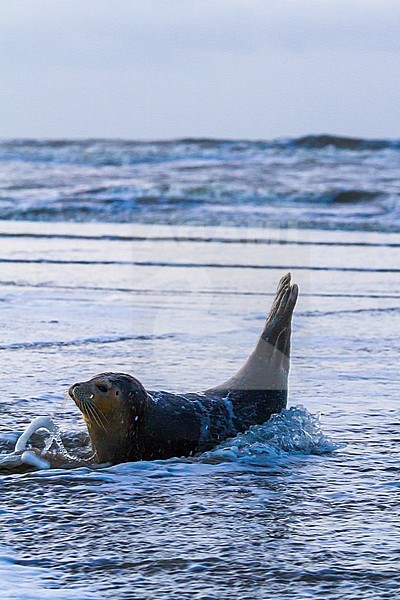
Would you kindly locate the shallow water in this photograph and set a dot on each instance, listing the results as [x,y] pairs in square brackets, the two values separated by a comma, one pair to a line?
[286,511]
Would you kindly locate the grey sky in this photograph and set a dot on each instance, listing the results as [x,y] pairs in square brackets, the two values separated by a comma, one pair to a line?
[149,69]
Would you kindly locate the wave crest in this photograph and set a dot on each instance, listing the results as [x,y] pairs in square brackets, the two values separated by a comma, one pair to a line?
[343,143]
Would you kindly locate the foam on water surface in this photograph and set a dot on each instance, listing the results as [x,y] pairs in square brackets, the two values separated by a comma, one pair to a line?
[37,423]
[33,457]
[21,455]
[294,431]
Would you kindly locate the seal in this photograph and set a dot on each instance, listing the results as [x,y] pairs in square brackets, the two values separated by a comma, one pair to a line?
[128,423]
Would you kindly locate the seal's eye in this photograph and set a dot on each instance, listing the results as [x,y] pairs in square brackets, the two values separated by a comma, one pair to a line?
[102,388]
[117,392]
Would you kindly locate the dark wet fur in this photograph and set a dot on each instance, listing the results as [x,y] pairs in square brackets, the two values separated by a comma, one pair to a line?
[140,425]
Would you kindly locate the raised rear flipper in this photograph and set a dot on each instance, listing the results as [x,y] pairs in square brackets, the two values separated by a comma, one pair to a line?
[267,367]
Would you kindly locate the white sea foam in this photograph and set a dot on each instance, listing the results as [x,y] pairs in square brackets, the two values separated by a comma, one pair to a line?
[293,431]
[35,425]
[29,457]
[21,455]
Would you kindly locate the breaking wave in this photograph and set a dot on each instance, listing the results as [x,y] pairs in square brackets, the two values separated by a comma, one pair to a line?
[344,143]
[320,181]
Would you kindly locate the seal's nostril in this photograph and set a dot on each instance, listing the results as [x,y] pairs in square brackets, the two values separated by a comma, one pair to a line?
[72,389]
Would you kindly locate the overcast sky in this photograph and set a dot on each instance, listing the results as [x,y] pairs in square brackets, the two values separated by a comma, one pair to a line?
[149,69]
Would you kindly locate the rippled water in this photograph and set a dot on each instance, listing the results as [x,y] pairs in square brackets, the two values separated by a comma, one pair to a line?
[315,181]
[305,506]
[285,510]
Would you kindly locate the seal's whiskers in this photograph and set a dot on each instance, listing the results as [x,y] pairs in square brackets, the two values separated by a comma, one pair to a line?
[95,413]
[65,399]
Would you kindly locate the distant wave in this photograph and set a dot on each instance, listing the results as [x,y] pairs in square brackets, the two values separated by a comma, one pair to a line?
[127,152]
[343,143]
[352,196]
[315,181]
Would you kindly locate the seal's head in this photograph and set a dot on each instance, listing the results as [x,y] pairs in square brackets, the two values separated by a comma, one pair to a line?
[113,407]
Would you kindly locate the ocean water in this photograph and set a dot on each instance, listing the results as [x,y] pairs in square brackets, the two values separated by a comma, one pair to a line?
[305,506]
[314,181]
